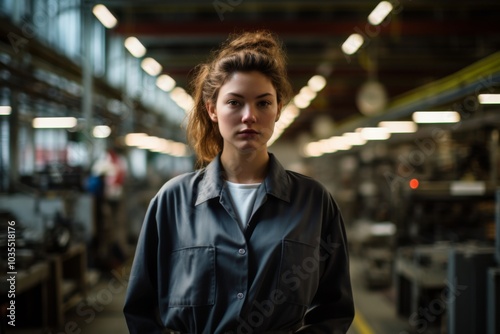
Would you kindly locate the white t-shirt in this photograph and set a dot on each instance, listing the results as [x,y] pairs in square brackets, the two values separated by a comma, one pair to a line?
[243,197]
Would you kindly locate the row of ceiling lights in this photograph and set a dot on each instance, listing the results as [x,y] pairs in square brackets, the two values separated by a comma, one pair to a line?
[318,82]
[361,135]
[165,82]
[377,16]
[150,66]
[385,129]
[300,101]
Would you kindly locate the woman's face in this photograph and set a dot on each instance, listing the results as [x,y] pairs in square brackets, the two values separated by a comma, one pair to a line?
[245,111]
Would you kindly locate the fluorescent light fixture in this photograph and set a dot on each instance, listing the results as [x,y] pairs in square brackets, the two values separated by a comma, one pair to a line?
[101,131]
[436,117]
[338,143]
[104,16]
[317,83]
[307,93]
[151,66]
[135,139]
[313,149]
[135,47]
[381,229]
[301,102]
[178,94]
[163,146]
[380,12]
[352,44]
[354,138]
[290,112]
[182,98]
[5,110]
[489,98]
[467,188]
[165,82]
[374,133]
[399,126]
[288,115]
[54,122]
[156,144]
[152,143]
[177,149]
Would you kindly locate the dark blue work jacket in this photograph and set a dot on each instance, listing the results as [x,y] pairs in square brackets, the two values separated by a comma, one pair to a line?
[196,271]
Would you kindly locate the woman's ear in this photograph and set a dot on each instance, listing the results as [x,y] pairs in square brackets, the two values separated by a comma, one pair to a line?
[211,111]
[278,114]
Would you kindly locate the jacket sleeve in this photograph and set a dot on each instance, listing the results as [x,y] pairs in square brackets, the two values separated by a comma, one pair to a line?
[141,301]
[332,309]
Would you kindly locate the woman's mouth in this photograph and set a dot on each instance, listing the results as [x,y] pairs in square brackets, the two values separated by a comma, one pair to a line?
[248,132]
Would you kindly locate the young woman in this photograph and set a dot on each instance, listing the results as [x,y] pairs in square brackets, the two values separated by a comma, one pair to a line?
[240,245]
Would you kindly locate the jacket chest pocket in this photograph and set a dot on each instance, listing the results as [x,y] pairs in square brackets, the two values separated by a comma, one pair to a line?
[299,272]
[192,277]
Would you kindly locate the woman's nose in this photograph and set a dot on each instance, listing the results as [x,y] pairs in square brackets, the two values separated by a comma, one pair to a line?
[249,114]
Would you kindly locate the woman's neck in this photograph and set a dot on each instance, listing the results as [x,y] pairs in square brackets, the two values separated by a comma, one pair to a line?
[245,168]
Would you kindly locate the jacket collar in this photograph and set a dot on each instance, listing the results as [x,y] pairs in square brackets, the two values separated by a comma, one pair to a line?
[276,182]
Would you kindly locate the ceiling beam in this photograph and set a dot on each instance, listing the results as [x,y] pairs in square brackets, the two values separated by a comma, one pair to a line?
[304,28]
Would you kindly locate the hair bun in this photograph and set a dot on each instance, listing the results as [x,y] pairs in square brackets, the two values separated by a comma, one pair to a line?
[261,41]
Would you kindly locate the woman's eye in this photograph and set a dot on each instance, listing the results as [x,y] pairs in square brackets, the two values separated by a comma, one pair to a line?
[233,103]
[264,103]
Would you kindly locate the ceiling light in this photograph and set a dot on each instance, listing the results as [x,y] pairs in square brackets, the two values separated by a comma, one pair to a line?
[380,12]
[374,133]
[164,146]
[489,98]
[352,44]
[135,47]
[135,139]
[399,126]
[436,117]
[152,143]
[313,149]
[336,143]
[5,110]
[288,115]
[104,16]
[178,149]
[151,66]
[307,93]
[54,122]
[101,131]
[182,98]
[160,145]
[354,138]
[317,83]
[301,102]
[165,82]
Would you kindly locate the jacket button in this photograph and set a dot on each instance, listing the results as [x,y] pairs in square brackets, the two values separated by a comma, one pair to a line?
[241,251]
[239,295]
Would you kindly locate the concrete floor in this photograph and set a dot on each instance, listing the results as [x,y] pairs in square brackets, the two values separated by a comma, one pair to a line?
[375,309]
[102,312]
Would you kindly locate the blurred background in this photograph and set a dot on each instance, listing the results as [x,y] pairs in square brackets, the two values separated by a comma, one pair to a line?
[396,111]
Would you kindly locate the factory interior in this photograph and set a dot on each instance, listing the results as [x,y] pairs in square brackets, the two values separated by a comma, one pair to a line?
[396,111]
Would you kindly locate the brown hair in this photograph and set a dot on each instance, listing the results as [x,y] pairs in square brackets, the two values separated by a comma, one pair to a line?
[258,51]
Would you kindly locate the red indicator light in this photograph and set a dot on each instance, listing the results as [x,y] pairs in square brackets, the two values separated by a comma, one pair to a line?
[413,183]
